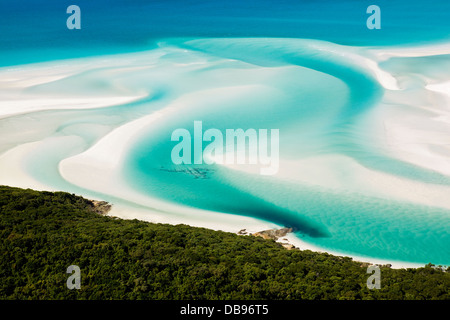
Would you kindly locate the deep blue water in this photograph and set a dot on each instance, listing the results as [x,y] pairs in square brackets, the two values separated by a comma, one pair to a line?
[36,30]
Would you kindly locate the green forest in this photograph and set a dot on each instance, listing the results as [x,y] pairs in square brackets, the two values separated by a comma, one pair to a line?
[42,233]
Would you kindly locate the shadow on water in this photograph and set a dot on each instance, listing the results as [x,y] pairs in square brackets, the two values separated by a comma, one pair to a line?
[211,193]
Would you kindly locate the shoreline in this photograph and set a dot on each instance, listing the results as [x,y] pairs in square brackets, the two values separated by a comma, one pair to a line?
[251,226]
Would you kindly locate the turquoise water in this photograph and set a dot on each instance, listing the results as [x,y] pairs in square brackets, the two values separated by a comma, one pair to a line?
[236,64]
[310,123]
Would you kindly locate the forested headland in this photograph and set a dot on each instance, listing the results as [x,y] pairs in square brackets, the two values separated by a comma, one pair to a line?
[42,233]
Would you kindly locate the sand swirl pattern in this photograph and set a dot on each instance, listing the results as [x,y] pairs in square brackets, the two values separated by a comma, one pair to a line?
[364,136]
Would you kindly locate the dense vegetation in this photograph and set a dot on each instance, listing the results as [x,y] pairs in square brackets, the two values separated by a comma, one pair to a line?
[42,233]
